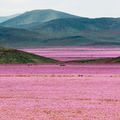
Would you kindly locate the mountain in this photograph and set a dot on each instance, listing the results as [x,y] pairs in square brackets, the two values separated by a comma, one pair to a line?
[21,38]
[18,38]
[53,28]
[81,31]
[35,17]
[12,37]
[12,56]
[5,18]
[77,25]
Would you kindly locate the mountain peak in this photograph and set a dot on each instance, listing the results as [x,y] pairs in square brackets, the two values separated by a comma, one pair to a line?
[36,16]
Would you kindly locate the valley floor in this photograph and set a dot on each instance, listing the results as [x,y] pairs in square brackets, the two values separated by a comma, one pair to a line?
[53,92]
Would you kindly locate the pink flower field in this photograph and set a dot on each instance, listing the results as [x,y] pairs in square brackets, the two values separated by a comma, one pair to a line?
[76,53]
[53,92]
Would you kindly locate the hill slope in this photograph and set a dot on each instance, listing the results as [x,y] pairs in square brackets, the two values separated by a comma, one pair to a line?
[21,38]
[97,61]
[101,31]
[15,38]
[74,26]
[5,18]
[12,56]
[35,17]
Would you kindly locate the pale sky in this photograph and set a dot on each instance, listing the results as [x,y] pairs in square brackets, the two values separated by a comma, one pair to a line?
[85,8]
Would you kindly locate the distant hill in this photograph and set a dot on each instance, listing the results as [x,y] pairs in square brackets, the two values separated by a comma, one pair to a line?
[12,56]
[35,17]
[97,61]
[5,18]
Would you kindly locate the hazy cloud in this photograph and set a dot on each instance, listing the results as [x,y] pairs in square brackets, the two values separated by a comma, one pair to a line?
[88,8]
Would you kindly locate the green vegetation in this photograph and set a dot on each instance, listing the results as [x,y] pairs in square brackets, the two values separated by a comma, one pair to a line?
[93,61]
[12,56]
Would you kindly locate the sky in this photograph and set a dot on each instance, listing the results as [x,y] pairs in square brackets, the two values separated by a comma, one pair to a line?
[84,8]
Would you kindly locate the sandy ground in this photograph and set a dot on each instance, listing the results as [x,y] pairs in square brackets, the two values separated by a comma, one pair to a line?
[78,94]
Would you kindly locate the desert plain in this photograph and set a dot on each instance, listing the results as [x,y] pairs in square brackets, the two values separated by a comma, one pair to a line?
[54,92]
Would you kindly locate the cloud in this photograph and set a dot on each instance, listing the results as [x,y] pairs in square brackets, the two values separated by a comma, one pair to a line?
[87,8]
[17,1]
